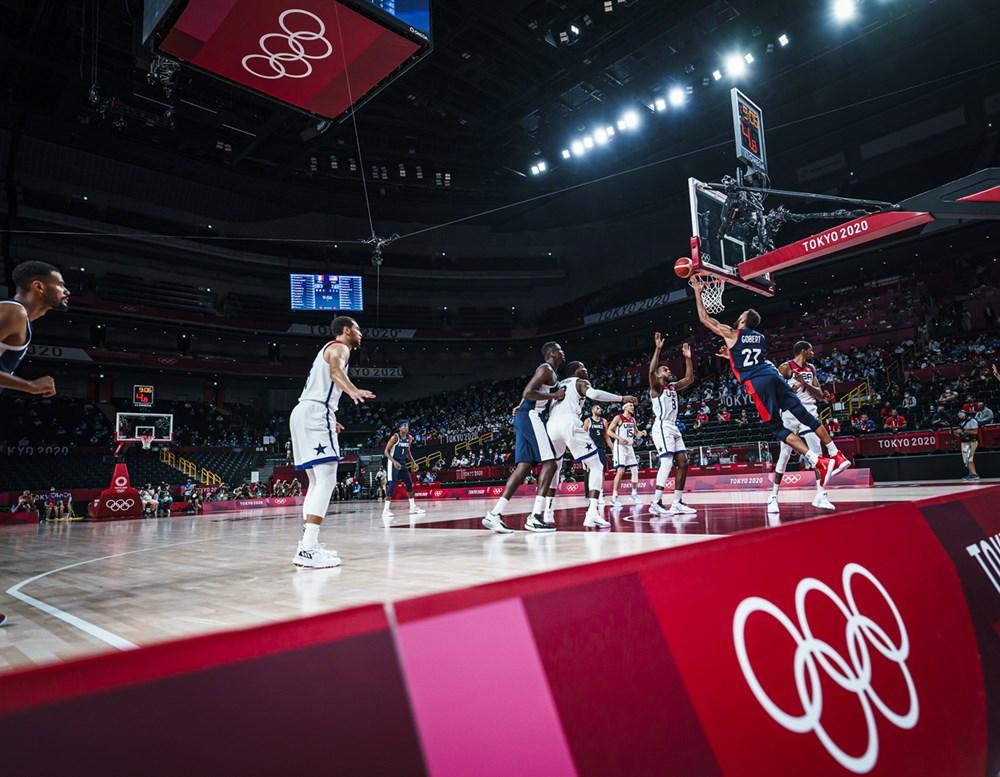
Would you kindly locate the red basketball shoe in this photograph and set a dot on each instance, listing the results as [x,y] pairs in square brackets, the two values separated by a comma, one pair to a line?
[840,463]
[825,468]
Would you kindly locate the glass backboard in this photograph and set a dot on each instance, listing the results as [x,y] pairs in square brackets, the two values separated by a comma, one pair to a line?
[131,427]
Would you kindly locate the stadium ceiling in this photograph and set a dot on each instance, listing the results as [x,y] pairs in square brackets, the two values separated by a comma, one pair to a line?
[505,89]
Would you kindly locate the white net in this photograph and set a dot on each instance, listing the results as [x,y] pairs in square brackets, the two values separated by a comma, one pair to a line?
[146,440]
[711,293]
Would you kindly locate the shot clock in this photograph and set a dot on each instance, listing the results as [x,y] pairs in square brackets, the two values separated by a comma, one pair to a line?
[143,396]
[748,124]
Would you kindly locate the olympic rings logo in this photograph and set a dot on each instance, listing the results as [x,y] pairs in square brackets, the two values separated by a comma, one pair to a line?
[121,482]
[791,477]
[276,60]
[812,654]
[119,505]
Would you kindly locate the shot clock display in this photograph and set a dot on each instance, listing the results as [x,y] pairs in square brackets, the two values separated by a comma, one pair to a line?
[143,396]
[748,124]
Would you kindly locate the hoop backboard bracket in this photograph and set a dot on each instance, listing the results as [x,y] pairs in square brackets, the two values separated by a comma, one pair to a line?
[712,251]
[131,427]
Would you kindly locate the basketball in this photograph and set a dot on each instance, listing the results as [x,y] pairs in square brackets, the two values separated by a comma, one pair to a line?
[683,267]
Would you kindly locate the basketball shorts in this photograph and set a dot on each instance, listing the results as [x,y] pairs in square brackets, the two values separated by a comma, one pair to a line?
[794,425]
[624,456]
[771,394]
[314,434]
[531,440]
[568,432]
[398,473]
[667,439]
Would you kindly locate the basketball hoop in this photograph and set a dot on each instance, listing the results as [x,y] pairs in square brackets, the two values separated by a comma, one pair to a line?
[146,440]
[711,292]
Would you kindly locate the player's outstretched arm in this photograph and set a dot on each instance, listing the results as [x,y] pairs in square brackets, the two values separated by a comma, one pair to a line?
[654,364]
[722,330]
[688,378]
[337,356]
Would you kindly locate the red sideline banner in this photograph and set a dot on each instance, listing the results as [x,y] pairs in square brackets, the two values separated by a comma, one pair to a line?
[231,505]
[762,481]
[818,648]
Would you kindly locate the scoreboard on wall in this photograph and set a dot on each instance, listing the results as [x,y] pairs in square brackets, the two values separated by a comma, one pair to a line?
[748,125]
[143,396]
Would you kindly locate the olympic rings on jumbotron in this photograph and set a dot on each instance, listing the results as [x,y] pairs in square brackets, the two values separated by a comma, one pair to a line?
[275,60]
[119,505]
[853,673]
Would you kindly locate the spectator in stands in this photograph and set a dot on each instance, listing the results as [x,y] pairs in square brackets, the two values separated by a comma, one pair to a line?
[865,425]
[53,505]
[67,500]
[984,416]
[724,416]
[428,478]
[700,420]
[833,425]
[147,496]
[296,487]
[940,418]
[895,423]
[164,501]
[741,419]
[969,406]
[380,482]
[40,505]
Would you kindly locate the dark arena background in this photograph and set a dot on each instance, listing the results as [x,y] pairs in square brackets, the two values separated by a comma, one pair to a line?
[595,387]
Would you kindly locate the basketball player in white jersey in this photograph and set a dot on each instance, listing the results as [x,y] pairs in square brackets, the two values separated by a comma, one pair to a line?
[801,377]
[566,430]
[621,437]
[39,288]
[314,430]
[531,443]
[666,436]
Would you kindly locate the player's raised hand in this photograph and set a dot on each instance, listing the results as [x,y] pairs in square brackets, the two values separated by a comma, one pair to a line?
[44,386]
[559,395]
[340,427]
[723,352]
[695,283]
[627,398]
[686,350]
[658,340]
[360,395]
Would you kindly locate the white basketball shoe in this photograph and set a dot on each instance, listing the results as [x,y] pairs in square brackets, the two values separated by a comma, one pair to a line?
[316,558]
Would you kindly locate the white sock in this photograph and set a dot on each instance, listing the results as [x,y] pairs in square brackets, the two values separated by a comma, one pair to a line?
[811,457]
[832,450]
[774,489]
[678,495]
[388,505]
[501,505]
[658,495]
[310,535]
[548,503]
[593,503]
[413,503]
[539,505]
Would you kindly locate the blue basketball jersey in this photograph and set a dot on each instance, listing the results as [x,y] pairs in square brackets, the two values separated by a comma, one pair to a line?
[748,356]
[399,450]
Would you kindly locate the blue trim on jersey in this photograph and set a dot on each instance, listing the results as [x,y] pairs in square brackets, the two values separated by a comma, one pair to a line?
[329,428]
[314,462]
[587,456]
[665,454]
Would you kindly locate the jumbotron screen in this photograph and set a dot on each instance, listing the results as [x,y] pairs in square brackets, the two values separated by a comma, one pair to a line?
[414,13]
[326,292]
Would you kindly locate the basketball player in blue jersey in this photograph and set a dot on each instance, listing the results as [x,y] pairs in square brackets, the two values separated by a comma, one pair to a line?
[314,432]
[770,392]
[39,289]
[399,447]
[532,444]
[666,434]
[596,426]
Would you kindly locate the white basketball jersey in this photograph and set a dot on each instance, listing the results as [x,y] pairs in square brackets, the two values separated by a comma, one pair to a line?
[572,405]
[665,406]
[804,375]
[319,385]
[626,431]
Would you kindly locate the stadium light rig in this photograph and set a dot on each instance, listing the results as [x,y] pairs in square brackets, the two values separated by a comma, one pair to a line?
[783,40]
[735,65]
[677,96]
[844,10]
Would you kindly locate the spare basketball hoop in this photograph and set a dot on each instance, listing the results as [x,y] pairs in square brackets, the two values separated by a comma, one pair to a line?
[146,440]
[712,290]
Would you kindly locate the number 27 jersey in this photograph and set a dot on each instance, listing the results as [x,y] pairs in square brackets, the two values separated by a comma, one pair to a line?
[748,356]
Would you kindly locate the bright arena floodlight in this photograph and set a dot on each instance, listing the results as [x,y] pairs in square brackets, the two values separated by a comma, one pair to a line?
[542,167]
[735,66]
[588,142]
[610,130]
[577,148]
[660,104]
[631,119]
[565,153]
[534,169]
[844,10]
[600,137]
[783,40]
[621,124]
[748,58]
[676,96]
[717,75]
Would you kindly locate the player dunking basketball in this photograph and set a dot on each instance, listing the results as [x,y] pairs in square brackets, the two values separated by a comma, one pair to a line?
[314,429]
[39,289]
[666,435]
[397,450]
[801,376]
[532,444]
[621,436]
[747,350]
